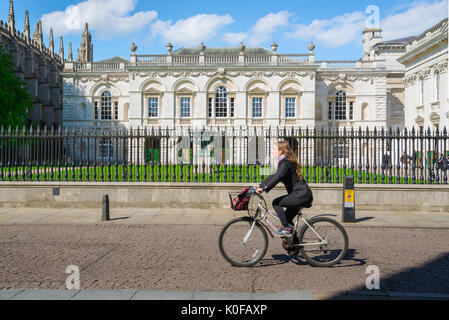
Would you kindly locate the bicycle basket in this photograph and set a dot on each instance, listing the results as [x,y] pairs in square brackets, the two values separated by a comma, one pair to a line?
[239,201]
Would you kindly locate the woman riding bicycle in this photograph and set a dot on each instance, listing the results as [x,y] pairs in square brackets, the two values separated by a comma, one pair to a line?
[288,170]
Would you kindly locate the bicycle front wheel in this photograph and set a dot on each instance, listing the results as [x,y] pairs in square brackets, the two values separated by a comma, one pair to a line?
[325,243]
[243,242]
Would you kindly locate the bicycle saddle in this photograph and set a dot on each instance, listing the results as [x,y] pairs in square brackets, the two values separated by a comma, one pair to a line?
[305,207]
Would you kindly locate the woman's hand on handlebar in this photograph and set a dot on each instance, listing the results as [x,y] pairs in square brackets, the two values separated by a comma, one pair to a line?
[258,190]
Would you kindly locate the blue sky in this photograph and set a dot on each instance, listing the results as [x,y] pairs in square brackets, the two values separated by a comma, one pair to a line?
[334,26]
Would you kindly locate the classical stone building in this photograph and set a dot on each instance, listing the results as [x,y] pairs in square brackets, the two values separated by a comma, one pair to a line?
[239,87]
[38,66]
[426,79]
[253,88]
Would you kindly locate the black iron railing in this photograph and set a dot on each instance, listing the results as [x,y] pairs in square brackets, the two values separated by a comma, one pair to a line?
[327,155]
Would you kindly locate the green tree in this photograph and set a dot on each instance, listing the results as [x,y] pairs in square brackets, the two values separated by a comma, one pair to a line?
[15,101]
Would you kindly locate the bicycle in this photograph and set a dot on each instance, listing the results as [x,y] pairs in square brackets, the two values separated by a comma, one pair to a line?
[243,242]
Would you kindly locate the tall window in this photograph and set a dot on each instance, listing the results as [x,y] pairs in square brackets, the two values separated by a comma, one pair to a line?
[106,148]
[152,151]
[96,110]
[221,102]
[153,107]
[232,107]
[351,110]
[340,106]
[106,106]
[331,111]
[257,107]
[185,107]
[116,110]
[290,107]
[210,107]
[437,86]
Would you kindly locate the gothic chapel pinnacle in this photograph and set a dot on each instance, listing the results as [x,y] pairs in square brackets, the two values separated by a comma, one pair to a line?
[85,51]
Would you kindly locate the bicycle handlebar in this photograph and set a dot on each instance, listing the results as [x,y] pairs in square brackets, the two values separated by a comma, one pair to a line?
[253,193]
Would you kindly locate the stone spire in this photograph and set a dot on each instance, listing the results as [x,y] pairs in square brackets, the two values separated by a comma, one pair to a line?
[41,34]
[26,29]
[51,44]
[11,18]
[37,35]
[70,52]
[85,51]
[61,49]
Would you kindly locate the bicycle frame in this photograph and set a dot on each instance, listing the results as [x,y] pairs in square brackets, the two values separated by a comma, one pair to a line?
[264,212]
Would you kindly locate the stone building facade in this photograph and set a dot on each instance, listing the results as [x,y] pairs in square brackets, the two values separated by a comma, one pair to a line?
[426,79]
[37,65]
[238,87]
[252,88]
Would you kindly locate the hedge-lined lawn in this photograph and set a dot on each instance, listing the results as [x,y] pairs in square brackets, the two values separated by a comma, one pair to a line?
[192,173]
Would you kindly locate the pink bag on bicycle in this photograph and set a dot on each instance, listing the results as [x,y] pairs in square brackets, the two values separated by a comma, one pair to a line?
[240,203]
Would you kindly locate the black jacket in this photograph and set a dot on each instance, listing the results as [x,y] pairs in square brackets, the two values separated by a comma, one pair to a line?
[286,173]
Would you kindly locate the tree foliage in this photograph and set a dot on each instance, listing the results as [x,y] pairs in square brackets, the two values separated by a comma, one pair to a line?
[15,101]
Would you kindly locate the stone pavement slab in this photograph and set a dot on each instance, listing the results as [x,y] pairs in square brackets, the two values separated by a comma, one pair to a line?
[45,295]
[104,295]
[8,294]
[116,295]
[163,295]
[288,295]
[187,216]
[223,296]
[149,295]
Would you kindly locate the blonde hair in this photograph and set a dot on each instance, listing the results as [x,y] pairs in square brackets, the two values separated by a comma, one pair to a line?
[290,155]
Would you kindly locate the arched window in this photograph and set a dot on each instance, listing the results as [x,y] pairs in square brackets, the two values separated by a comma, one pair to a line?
[221,102]
[340,106]
[106,106]
[437,86]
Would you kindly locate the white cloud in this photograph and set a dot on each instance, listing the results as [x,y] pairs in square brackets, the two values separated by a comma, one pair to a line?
[266,26]
[262,31]
[414,21]
[234,37]
[333,32]
[109,18]
[191,31]
[347,28]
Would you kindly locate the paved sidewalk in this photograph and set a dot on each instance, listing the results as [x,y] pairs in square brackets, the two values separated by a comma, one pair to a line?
[148,295]
[297,295]
[207,217]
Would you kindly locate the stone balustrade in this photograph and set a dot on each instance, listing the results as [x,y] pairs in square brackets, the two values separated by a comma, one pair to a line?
[227,60]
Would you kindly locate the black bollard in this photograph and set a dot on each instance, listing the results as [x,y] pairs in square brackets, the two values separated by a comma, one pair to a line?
[106,216]
[348,200]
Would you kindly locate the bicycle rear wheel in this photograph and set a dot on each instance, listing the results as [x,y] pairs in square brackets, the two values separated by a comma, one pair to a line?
[243,242]
[317,253]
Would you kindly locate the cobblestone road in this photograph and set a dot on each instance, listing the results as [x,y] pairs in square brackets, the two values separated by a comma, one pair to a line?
[186,257]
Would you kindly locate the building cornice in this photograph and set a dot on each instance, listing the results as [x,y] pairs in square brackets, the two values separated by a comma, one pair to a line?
[422,49]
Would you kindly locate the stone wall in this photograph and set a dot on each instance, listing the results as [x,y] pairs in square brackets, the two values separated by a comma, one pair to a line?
[428,198]
[39,67]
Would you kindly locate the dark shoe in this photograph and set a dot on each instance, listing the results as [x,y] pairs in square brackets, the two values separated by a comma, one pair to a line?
[284,232]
